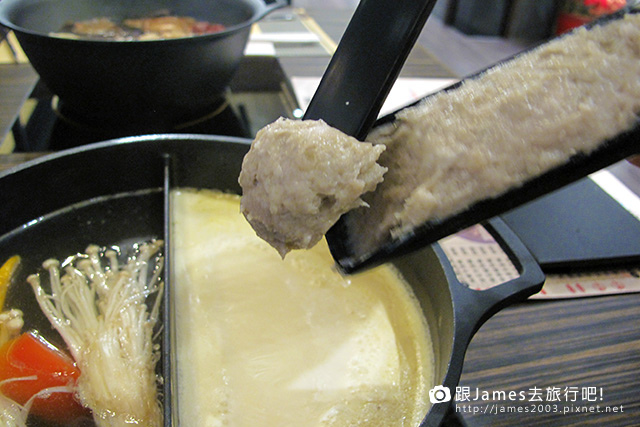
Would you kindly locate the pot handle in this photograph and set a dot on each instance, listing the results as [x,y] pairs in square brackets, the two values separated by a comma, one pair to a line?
[473,307]
[271,5]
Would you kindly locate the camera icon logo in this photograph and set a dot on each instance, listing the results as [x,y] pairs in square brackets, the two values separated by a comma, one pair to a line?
[439,394]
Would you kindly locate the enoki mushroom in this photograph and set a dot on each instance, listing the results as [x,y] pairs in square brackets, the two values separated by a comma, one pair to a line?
[99,308]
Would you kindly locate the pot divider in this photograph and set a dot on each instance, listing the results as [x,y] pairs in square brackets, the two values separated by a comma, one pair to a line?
[169,362]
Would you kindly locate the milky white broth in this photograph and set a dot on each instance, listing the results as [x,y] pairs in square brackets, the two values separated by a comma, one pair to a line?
[266,341]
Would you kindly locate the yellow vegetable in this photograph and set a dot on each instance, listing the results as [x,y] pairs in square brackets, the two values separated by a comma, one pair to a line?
[6,272]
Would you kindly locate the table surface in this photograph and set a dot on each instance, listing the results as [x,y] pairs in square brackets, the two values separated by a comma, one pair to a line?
[579,356]
[16,83]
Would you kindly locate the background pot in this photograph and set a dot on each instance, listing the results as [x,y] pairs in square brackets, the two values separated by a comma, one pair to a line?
[57,204]
[108,82]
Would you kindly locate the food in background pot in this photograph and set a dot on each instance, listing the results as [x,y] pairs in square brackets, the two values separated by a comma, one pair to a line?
[148,28]
[272,342]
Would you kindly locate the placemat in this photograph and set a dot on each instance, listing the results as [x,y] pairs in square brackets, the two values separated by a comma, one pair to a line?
[290,32]
[479,263]
[10,50]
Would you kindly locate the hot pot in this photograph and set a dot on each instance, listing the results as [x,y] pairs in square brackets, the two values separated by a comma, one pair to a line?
[113,193]
[101,82]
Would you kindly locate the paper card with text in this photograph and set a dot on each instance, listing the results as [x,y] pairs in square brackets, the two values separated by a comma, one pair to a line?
[480,263]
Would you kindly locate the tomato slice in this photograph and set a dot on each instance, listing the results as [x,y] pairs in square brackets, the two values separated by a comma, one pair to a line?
[31,355]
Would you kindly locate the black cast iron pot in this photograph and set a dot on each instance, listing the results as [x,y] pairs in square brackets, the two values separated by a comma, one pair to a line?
[101,82]
[113,193]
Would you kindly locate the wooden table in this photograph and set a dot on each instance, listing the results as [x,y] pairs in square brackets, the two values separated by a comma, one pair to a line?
[572,345]
[566,345]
